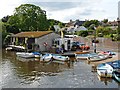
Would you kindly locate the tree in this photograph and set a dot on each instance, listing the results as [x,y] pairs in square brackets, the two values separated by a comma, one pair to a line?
[105,20]
[28,17]
[82,33]
[88,23]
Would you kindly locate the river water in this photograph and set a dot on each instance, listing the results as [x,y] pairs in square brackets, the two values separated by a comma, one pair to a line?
[21,73]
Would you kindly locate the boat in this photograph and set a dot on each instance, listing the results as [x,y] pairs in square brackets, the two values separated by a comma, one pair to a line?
[105,70]
[84,56]
[15,48]
[25,54]
[60,57]
[46,58]
[36,54]
[81,52]
[8,48]
[116,75]
[106,53]
[97,57]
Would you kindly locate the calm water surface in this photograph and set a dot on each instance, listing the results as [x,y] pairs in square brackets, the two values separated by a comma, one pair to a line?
[22,73]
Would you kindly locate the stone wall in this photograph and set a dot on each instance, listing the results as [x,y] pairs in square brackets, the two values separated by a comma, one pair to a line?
[104,43]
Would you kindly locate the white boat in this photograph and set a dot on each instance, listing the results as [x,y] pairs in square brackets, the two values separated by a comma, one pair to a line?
[46,58]
[105,70]
[8,48]
[25,54]
[60,58]
[98,58]
[84,56]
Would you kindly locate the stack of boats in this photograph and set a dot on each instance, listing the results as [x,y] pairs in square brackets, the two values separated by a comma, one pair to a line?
[109,69]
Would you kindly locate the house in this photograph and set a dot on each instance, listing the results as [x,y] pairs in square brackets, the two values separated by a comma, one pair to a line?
[80,28]
[75,23]
[42,40]
[73,29]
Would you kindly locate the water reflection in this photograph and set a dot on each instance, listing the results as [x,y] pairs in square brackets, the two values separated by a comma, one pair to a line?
[106,81]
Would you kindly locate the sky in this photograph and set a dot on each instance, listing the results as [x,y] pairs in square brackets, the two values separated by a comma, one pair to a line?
[64,10]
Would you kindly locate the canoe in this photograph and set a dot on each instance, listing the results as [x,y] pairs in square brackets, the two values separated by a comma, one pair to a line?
[116,76]
[81,52]
[25,54]
[84,56]
[98,58]
[60,57]
[104,70]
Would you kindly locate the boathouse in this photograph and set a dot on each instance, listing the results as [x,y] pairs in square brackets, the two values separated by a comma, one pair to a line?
[36,40]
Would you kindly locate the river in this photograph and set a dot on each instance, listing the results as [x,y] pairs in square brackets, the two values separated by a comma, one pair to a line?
[21,73]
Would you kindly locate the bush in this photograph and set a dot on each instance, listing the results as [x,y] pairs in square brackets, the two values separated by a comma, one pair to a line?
[82,33]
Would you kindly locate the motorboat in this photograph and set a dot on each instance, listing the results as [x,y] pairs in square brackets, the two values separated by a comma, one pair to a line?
[98,57]
[105,70]
[84,56]
[60,57]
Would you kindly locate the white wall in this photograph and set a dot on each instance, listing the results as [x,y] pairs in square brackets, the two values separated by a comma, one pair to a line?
[48,39]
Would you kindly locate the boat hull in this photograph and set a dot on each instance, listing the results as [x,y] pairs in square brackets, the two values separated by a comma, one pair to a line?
[104,70]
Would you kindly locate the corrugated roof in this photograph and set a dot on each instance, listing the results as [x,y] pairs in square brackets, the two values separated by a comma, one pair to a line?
[32,34]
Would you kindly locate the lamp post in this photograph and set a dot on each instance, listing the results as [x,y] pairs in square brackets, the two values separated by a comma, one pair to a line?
[94,40]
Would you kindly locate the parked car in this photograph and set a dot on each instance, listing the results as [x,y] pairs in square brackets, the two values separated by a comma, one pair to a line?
[78,45]
[84,46]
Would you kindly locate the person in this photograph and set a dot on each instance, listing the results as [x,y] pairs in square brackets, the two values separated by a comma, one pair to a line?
[61,49]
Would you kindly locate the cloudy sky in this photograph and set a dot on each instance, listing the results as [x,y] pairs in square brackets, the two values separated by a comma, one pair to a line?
[64,10]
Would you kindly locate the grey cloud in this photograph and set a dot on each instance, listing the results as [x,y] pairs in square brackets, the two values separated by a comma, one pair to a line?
[54,6]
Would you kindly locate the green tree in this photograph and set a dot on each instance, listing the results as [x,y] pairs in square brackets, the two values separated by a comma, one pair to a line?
[105,20]
[82,33]
[28,17]
[88,23]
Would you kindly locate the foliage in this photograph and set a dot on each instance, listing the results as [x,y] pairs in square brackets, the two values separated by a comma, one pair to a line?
[105,20]
[82,33]
[5,18]
[103,31]
[53,22]
[88,23]
[28,17]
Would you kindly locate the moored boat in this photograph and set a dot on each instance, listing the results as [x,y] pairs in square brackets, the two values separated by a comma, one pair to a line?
[98,58]
[84,56]
[60,57]
[46,58]
[25,54]
[104,70]
[36,54]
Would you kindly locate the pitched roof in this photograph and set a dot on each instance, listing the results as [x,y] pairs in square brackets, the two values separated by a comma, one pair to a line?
[33,34]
